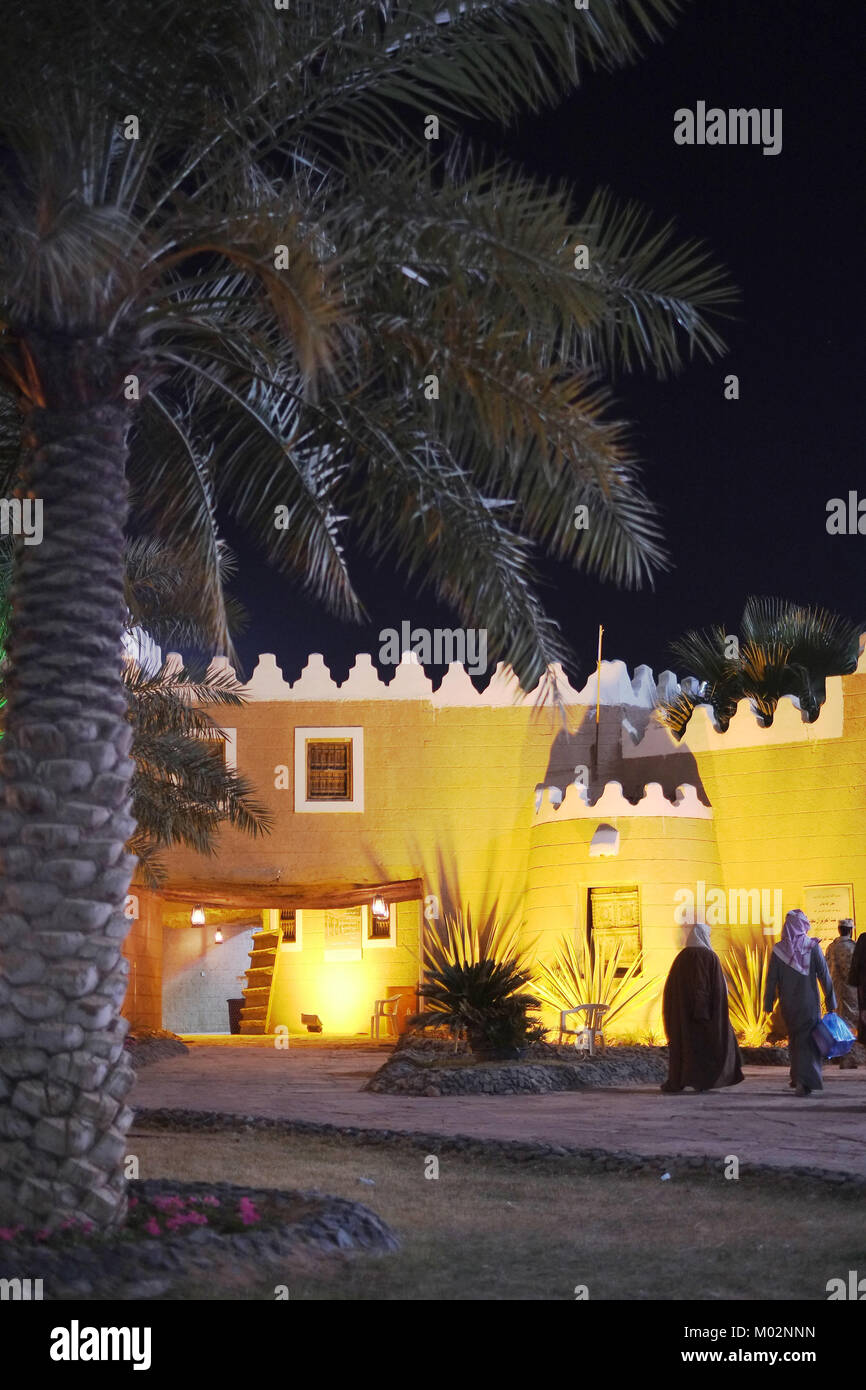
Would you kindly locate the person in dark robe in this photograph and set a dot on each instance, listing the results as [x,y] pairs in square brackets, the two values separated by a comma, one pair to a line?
[857,978]
[797,964]
[839,955]
[703,1051]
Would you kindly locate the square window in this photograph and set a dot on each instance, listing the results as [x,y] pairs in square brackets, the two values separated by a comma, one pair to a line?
[288,924]
[329,769]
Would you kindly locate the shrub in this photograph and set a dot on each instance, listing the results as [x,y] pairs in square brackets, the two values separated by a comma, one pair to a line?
[579,974]
[746,972]
[477,986]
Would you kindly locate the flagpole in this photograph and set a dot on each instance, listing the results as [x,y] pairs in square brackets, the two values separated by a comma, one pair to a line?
[598,675]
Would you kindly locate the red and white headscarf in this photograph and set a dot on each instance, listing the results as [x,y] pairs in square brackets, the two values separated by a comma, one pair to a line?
[796,945]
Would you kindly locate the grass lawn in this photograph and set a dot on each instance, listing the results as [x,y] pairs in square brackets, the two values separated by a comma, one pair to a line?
[500,1229]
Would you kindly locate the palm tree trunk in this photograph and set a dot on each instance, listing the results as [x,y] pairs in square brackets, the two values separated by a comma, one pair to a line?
[64,820]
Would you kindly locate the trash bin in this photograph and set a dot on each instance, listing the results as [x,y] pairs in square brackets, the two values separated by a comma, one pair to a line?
[235,1006]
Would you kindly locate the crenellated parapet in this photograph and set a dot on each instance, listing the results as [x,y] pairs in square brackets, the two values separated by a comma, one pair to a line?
[637,697]
[552,805]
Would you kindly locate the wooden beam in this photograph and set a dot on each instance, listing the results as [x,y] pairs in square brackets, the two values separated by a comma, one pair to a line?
[219,893]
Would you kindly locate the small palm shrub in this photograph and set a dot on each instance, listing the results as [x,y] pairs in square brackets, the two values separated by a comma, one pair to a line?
[476,984]
[746,972]
[784,648]
[579,974]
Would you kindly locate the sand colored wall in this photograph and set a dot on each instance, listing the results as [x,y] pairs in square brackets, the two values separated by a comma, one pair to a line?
[444,790]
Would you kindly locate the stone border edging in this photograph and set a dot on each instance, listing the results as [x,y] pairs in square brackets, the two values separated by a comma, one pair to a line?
[610,1160]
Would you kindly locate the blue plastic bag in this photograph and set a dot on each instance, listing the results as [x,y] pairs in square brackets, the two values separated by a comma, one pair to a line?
[833,1037]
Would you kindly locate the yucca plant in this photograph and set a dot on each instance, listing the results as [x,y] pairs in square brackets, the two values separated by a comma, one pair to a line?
[784,648]
[475,982]
[581,974]
[746,973]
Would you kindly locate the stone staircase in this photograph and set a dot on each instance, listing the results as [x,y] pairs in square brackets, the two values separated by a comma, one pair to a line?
[260,974]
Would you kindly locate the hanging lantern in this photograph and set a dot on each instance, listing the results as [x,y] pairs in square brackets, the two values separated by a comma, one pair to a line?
[218,937]
[380,908]
[196,917]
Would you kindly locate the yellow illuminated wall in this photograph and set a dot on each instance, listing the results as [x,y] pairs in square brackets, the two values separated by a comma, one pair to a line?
[342,992]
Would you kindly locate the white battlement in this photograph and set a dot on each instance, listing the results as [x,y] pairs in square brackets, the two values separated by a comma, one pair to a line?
[551,805]
[641,736]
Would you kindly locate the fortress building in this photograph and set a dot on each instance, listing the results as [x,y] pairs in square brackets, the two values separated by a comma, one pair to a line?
[393,802]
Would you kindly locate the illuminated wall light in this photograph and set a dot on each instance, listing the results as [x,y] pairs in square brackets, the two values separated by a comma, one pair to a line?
[196,917]
[218,937]
[380,909]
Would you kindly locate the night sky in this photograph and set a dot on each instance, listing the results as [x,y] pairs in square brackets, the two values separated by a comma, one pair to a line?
[743,484]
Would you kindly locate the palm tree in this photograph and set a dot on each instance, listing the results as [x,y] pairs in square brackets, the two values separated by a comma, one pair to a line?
[183,791]
[228,278]
[783,648]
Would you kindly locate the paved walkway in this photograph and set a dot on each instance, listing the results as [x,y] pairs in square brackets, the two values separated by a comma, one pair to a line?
[758,1121]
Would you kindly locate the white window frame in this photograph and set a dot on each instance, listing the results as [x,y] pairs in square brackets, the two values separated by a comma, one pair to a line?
[375,943]
[353,734]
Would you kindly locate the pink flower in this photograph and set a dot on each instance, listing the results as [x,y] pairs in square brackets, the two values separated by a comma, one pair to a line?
[152,1227]
[169,1203]
[247,1212]
[210,1201]
[42,1234]
[133,1202]
[9,1232]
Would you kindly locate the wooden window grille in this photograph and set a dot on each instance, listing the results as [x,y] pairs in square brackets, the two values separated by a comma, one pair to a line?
[329,770]
[218,746]
[614,921]
[380,928]
[288,924]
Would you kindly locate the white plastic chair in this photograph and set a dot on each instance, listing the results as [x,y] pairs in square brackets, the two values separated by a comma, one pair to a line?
[590,1035]
[387,1009]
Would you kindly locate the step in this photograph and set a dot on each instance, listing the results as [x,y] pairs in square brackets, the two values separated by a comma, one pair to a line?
[252,1025]
[249,1013]
[260,991]
[264,957]
[262,937]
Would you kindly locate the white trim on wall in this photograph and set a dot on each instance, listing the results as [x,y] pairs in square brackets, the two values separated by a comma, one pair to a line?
[231,742]
[352,733]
